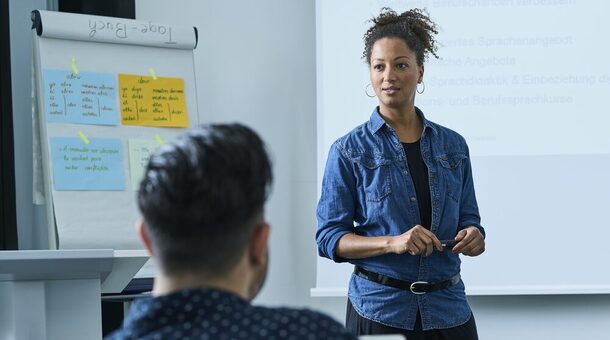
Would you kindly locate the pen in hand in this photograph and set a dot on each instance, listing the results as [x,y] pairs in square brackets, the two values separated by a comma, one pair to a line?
[448,243]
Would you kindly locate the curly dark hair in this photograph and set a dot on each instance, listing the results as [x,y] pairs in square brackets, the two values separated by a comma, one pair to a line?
[414,27]
[202,196]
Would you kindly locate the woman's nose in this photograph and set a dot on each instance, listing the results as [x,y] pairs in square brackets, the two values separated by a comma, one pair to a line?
[388,74]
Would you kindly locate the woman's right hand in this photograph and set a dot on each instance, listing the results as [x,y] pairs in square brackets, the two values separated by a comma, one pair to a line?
[415,241]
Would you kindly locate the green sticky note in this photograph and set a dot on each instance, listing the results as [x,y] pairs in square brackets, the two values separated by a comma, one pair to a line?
[139,153]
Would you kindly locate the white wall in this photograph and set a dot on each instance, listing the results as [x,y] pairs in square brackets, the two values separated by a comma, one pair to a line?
[256,64]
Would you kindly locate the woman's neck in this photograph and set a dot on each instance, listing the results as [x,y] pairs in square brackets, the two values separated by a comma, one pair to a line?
[405,122]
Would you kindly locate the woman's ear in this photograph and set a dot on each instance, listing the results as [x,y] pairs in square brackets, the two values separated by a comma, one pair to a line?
[421,73]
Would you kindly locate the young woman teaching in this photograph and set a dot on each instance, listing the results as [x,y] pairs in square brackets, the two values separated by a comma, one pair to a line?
[393,188]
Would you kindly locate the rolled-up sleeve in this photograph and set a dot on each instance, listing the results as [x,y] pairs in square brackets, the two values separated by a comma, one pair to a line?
[469,209]
[337,203]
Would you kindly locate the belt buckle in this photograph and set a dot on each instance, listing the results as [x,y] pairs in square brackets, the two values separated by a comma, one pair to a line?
[413,287]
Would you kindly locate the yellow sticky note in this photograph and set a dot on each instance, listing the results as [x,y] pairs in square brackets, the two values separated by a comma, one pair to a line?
[152,103]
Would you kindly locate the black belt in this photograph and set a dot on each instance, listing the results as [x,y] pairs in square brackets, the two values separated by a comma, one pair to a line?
[418,287]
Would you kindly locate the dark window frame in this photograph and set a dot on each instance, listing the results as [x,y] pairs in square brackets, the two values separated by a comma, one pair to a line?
[112,8]
[8,213]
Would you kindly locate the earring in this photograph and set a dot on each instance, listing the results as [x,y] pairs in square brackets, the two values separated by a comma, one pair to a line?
[366,91]
[423,88]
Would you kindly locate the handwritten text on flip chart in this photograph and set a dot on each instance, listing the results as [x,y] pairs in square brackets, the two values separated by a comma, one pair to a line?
[152,102]
[124,29]
[94,166]
[83,98]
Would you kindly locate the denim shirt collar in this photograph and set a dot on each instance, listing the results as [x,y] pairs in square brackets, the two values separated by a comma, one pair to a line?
[376,121]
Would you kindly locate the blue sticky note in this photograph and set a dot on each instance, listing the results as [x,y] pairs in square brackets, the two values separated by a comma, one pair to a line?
[83,98]
[94,166]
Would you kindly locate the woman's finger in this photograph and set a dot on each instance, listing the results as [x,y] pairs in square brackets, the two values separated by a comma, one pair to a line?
[418,246]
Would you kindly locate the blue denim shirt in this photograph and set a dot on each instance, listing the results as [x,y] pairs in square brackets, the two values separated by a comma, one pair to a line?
[367,189]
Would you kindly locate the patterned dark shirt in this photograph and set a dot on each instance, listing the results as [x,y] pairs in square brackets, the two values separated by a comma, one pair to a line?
[216,314]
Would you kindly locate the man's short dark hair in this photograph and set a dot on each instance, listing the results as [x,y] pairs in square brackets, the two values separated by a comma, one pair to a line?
[201,197]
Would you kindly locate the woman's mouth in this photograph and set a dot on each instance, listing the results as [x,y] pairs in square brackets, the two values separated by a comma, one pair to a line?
[390,89]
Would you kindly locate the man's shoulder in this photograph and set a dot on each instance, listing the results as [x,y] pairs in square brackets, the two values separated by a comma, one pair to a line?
[303,323]
[251,322]
[292,313]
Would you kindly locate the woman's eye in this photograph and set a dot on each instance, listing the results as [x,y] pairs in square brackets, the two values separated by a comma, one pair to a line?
[401,65]
[378,67]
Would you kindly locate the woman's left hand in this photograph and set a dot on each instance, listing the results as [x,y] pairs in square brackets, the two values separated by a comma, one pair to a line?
[470,242]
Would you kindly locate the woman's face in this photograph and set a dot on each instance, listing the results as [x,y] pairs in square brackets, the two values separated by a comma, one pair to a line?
[394,73]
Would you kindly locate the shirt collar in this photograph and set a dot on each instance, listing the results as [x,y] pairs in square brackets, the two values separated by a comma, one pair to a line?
[376,121]
[151,305]
[144,313]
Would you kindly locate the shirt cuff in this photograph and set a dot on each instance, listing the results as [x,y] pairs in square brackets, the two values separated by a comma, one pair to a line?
[331,246]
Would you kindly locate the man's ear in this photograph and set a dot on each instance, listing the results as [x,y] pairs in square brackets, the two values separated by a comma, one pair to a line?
[259,243]
[144,237]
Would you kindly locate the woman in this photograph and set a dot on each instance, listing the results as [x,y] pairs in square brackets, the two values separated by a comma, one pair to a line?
[392,189]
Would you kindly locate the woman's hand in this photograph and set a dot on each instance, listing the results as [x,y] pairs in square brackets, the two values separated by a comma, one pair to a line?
[416,241]
[470,242]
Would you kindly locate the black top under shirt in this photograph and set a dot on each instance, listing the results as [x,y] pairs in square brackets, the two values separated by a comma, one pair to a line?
[419,174]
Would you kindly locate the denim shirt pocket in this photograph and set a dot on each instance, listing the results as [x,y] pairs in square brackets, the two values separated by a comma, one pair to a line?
[373,174]
[452,168]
